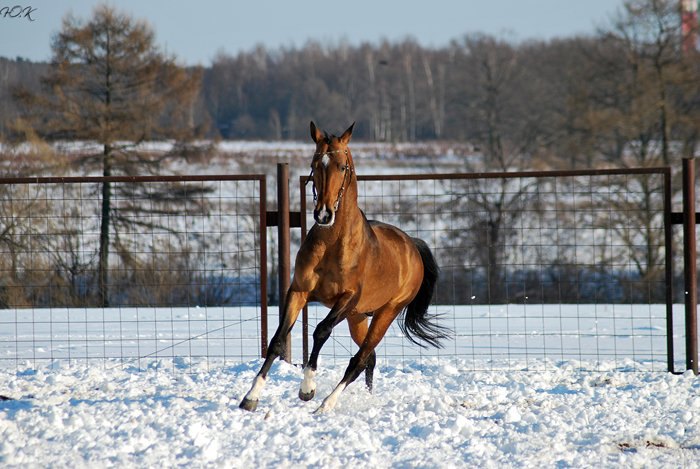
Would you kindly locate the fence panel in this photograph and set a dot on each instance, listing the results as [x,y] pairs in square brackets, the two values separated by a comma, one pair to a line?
[180,273]
[536,268]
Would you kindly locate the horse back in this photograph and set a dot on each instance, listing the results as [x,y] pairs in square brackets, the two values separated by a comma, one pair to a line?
[397,257]
[387,233]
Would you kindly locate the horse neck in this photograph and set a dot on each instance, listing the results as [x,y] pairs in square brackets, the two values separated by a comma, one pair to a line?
[349,216]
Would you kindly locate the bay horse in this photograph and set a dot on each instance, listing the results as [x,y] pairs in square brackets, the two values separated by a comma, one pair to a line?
[358,269]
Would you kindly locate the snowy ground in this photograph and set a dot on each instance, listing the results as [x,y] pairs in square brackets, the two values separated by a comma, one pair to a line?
[434,414]
[162,388]
[462,409]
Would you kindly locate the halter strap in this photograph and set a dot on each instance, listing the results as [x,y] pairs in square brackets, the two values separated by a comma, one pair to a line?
[330,152]
[348,171]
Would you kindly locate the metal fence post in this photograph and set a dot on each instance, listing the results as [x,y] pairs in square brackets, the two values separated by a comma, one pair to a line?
[283,238]
[668,266]
[690,265]
[263,266]
[305,310]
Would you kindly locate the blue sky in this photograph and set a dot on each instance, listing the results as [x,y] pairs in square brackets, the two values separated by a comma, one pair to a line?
[196,31]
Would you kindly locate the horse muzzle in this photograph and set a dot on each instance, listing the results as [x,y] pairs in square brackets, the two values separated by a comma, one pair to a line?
[324,216]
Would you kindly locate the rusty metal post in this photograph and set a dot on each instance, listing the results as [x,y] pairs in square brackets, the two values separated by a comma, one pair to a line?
[690,266]
[668,264]
[263,266]
[283,246]
[305,310]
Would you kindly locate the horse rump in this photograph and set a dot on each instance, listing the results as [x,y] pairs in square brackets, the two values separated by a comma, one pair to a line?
[419,326]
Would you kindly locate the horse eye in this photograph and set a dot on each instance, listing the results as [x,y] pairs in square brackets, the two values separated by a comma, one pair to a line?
[343,168]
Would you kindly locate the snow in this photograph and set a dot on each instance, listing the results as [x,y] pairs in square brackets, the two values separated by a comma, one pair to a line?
[139,402]
[428,412]
[434,414]
[598,337]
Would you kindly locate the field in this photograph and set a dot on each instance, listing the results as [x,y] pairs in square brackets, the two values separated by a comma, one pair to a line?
[462,407]
[429,414]
[528,385]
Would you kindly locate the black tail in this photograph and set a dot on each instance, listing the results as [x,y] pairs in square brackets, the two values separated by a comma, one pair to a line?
[418,325]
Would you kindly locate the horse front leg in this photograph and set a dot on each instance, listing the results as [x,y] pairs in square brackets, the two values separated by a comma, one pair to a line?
[294,302]
[358,325]
[365,358]
[343,307]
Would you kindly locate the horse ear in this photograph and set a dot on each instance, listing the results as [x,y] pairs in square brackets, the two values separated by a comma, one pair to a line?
[316,134]
[345,138]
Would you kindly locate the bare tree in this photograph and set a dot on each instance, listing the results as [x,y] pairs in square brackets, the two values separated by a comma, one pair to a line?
[108,82]
[506,138]
[634,76]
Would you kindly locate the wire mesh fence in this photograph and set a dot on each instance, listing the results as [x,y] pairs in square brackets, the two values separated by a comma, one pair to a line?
[169,267]
[536,268]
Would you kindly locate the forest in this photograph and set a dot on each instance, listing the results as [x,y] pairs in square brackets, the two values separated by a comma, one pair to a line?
[627,95]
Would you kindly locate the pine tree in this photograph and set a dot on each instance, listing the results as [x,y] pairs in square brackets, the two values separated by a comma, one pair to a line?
[109,83]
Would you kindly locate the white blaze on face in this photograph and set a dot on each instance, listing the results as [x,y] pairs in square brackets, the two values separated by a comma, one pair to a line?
[324,212]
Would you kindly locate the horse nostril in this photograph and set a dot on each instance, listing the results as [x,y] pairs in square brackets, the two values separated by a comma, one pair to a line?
[323,216]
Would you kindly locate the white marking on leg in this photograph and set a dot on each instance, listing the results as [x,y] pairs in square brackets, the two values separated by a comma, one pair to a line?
[308,385]
[256,389]
[329,402]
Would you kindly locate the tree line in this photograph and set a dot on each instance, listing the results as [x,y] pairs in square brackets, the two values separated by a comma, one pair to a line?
[629,92]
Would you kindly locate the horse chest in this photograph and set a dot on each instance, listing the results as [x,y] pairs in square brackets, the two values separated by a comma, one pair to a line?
[340,271]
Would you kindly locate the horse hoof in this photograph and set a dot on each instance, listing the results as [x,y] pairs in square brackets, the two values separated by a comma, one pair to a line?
[307,396]
[248,404]
[322,409]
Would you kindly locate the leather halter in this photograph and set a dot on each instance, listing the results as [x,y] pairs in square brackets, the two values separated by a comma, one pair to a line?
[348,174]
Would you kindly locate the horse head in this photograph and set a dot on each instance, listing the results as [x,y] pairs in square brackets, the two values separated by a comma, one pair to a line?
[331,172]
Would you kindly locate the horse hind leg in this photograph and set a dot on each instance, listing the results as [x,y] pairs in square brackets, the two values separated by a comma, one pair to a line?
[381,321]
[358,325]
[369,370]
